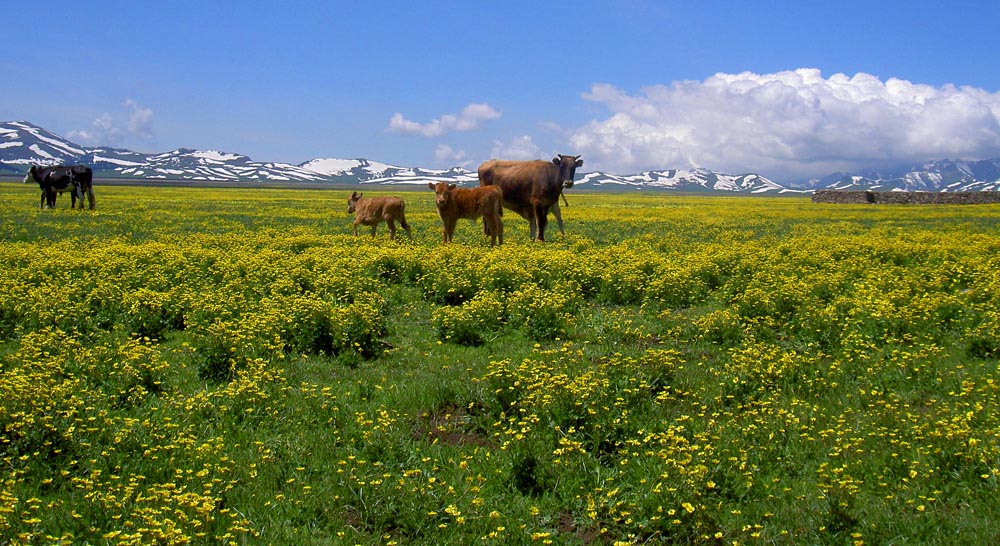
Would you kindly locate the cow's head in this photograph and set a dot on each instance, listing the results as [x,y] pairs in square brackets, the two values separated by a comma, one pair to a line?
[352,201]
[567,168]
[30,177]
[442,191]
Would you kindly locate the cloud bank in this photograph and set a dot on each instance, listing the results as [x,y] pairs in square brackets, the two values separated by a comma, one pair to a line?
[521,147]
[140,120]
[103,131]
[790,126]
[444,154]
[472,117]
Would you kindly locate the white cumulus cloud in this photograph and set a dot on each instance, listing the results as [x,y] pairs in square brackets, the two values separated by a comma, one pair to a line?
[790,125]
[521,147]
[444,154]
[472,117]
[101,131]
[140,120]
[104,131]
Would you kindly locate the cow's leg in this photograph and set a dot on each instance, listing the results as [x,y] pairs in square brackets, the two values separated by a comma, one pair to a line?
[496,229]
[356,227]
[90,196]
[555,212]
[541,217]
[402,222]
[449,229]
[392,229]
[374,227]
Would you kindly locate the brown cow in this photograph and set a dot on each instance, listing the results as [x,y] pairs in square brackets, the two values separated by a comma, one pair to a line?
[454,203]
[531,188]
[371,211]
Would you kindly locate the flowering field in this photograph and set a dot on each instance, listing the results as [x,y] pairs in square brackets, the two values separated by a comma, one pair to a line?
[205,366]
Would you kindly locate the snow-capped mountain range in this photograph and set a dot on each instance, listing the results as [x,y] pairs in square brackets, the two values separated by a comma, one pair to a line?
[23,144]
[698,180]
[942,175]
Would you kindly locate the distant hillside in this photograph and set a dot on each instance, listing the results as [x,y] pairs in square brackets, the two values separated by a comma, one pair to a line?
[23,144]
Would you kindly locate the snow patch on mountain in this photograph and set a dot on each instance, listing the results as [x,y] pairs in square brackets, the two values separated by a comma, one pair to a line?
[347,167]
[116,161]
[212,155]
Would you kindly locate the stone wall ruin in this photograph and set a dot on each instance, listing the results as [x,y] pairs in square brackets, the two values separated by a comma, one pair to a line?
[906,197]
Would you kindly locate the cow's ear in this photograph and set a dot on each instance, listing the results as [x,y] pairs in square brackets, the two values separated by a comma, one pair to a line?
[452,186]
[431,185]
[579,163]
[354,195]
[556,161]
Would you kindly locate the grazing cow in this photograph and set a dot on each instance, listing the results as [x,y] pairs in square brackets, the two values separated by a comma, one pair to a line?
[454,203]
[77,179]
[531,188]
[371,211]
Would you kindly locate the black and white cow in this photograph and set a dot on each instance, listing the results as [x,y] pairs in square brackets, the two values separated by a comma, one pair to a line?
[76,179]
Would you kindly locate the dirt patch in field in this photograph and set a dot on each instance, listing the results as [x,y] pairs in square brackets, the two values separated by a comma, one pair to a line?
[588,534]
[451,425]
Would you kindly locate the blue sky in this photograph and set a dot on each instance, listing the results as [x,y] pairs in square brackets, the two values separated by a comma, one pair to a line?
[789,90]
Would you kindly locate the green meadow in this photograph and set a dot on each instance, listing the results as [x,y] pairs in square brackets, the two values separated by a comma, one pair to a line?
[233,366]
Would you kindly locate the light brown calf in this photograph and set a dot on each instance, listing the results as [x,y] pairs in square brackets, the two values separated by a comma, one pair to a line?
[454,203]
[371,211]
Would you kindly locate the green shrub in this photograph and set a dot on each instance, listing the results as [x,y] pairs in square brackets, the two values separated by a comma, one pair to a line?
[721,327]
[149,313]
[307,324]
[983,341]
[10,317]
[218,353]
[447,286]
[541,313]
[471,323]
[675,286]
[359,327]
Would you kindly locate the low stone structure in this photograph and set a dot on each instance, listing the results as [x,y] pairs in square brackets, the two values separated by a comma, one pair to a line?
[906,197]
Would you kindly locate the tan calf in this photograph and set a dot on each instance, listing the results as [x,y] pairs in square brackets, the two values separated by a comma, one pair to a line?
[371,211]
[454,203]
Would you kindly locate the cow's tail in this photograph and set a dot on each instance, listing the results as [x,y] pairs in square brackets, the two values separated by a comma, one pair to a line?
[402,217]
